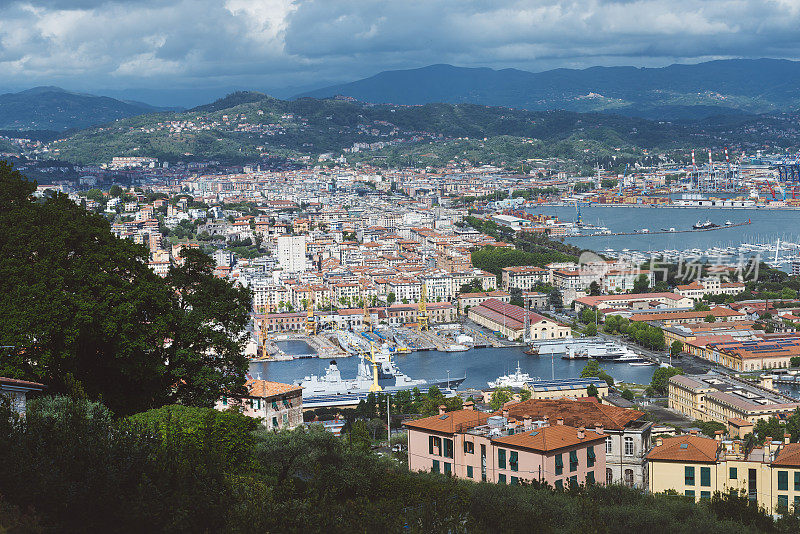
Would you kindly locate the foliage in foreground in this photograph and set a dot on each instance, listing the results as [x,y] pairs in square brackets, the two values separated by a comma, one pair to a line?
[84,471]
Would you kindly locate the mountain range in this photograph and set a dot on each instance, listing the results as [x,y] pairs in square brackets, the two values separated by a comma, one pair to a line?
[674,92]
[56,109]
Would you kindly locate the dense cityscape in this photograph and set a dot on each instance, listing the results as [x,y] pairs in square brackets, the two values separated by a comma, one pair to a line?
[434,299]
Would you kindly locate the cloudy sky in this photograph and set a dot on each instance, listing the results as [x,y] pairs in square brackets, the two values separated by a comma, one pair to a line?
[163,51]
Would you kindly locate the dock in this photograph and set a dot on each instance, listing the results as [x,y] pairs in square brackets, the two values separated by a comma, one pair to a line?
[655,232]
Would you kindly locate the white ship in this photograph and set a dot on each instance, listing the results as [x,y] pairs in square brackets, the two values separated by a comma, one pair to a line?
[515,380]
[377,372]
[352,343]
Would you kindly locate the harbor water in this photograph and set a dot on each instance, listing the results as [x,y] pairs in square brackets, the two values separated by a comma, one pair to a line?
[479,365]
[767,226]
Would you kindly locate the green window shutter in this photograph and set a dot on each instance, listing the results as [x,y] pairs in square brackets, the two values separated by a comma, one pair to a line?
[705,476]
[501,479]
[559,464]
[469,471]
[514,481]
[514,460]
[573,481]
[430,444]
[689,476]
[734,474]
[448,448]
[590,477]
[783,480]
[573,460]
[501,458]
[783,503]
[447,468]
[689,493]
[705,494]
[435,467]
[559,484]
[797,480]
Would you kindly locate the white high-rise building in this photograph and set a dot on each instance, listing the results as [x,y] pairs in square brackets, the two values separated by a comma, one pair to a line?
[292,253]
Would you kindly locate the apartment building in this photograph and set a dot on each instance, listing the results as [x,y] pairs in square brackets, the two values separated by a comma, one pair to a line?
[524,278]
[475,446]
[698,467]
[709,286]
[627,433]
[718,397]
[633,301]
[292,253]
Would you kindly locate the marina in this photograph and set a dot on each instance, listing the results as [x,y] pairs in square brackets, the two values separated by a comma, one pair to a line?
[478,366]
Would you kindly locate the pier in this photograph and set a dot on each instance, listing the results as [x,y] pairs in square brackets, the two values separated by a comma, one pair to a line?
[655,232]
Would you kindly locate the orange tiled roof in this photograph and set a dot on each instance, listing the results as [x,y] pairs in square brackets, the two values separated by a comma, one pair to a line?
[575,413]
[550,438]
[450,422]
[789,455]
[687,448]
[265,388]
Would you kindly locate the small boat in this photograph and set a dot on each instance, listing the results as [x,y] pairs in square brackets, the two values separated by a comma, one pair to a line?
[455,348]
[728,223]
[704,225]
[641,364]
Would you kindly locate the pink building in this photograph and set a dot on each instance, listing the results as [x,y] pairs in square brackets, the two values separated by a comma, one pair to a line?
[476,446]
[278,405]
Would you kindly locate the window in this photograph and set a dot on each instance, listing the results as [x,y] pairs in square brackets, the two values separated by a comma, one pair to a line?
[274,422]
[609,476]
[573,481]
[629,478]
[501,478]
[435,467]
[469,447]
[590,477]
[559,464]
[514,481]
[590,457]
[448,448]
[733,474]
[797,480]
[689,493]
[469,471]
[783,480]
[447,468]
[435,445]
[705,476]
[705,494]
[608,445]
[274,405]
[783,503]
[559,484]
[797,502]
[689,476]
[573,460]
[224,401]
[513,460]
[628,446]
[501,458]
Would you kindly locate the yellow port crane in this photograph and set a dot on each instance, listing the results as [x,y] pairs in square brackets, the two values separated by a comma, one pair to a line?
[422,315]
[262,332]
[311,323]
[367,317]
[375,387]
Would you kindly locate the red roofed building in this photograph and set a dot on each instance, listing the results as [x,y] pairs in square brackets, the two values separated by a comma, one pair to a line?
[278,405]
[474,446]
[509,320]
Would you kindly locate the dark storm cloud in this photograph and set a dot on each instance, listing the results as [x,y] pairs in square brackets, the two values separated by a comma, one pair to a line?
[273,43]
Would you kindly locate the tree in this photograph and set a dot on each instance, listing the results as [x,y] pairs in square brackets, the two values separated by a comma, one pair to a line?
[594,289]
[710,318]
[115,191]
[794,361]
[359,436]
[676,348]
[591,329]
[500,396]
[591,391]
[627,394]
[391,298]
[701,306]
[524,394]
[641,284]
[593,369]
[88,317]
[661,376]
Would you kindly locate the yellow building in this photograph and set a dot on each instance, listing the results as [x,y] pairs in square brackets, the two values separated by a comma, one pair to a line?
[698,467]
[718,397]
